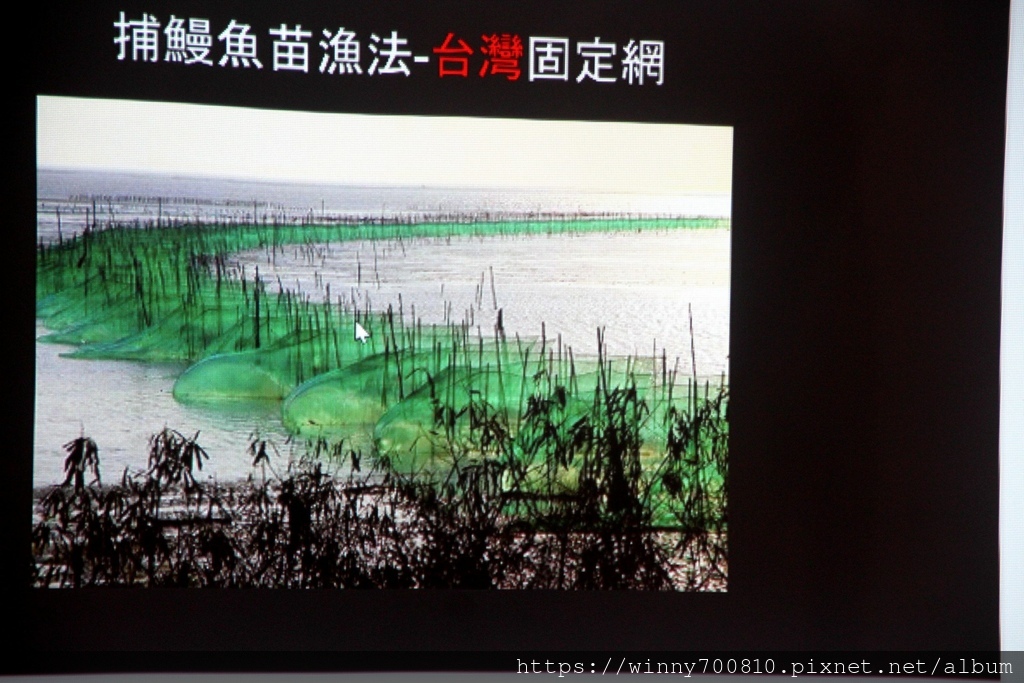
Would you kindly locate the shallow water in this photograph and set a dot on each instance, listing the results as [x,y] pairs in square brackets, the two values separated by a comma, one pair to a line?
[639,287]
[120,404]
[127,197]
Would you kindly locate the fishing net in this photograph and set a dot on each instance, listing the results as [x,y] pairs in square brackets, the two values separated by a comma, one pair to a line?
[347,400]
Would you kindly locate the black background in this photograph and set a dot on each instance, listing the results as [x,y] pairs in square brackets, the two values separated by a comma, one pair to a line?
[867,219]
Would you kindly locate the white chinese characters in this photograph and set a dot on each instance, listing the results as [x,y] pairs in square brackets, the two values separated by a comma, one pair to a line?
[189,46]
[238,45]
[291,52]
[645,59]
[144,36]
[341,52]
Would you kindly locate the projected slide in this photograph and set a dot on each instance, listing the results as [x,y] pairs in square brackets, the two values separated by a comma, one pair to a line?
[289,349]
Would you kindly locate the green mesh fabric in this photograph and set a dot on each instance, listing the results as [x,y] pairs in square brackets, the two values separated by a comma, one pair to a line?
[421,393]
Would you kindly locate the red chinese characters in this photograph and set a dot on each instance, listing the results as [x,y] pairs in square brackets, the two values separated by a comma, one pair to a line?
[453,60]
[502,55]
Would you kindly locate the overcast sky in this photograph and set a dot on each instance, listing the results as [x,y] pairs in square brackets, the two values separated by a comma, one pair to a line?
[260,144]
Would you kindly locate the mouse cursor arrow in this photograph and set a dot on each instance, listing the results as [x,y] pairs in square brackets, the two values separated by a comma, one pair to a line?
[361,334]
